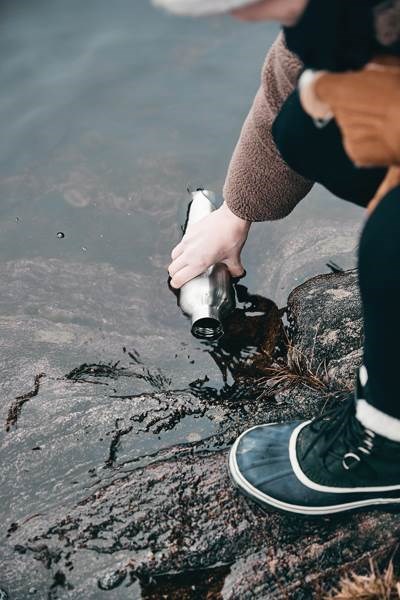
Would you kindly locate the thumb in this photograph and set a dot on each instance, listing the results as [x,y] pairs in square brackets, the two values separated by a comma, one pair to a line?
[235,267]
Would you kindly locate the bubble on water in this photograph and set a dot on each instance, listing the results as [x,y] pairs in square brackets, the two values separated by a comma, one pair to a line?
[101,235]
[60,235]
[84,249]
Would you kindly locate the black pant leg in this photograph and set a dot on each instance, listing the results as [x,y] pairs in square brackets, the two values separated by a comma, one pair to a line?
[318,154]
[379,273]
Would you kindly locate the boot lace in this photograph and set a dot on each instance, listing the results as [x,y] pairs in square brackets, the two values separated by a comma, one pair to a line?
[339,427]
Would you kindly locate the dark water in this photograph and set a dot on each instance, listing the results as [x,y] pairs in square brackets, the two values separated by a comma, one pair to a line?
[108,111]
[107,114]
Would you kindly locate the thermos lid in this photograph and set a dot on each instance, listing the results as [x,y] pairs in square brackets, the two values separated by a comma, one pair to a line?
[207,329]
[206,324]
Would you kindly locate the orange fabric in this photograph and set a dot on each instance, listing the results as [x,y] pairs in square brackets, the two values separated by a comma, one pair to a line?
[391,181]
[366,105]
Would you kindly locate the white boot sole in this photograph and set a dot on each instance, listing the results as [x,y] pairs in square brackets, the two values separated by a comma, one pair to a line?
[266,500]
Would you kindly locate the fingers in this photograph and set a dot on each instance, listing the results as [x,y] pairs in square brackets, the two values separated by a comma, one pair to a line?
[178,264]
[364,149]
[235,267]
[183,276]
[353,90]
[331,87]
[181,272]
[177,251]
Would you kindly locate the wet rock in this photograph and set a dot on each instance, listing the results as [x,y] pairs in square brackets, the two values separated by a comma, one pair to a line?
[130,493]
[326,322]
[341,371]
[182,514]
[80,381]
[201,583]
[306,567]
[112,580]
[306,250]
[99,314]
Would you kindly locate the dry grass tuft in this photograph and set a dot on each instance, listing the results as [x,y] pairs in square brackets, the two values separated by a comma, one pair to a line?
[374,586]
[297,370]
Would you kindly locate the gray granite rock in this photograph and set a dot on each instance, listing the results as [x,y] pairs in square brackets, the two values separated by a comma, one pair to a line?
[326,324]
[114,479]
[341,372]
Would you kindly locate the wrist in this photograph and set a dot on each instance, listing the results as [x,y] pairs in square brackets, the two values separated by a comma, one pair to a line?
[242,224]
[310,100]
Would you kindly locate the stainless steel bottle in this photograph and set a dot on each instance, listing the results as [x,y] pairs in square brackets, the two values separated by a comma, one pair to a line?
[208,298]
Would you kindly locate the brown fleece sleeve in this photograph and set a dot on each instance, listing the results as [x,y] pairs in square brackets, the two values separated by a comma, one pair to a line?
[259,185]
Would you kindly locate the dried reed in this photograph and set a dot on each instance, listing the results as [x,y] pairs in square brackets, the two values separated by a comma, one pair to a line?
[297,369]
[373,586]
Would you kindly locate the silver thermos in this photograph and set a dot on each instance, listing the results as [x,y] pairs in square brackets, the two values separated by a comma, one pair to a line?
[208,298]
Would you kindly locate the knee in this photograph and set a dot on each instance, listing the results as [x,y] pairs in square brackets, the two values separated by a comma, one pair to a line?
[379,249]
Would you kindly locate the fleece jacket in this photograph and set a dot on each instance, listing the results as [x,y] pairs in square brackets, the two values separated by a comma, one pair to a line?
[259,185]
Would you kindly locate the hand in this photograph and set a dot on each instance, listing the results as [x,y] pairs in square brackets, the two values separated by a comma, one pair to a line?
[219,237]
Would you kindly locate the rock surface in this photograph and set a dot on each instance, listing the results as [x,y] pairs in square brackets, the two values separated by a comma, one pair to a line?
[117,481]
[326,319]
